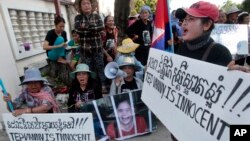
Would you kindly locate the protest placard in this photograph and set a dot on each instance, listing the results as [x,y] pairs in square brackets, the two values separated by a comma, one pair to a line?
[233,36]
[195,100]
[50,127]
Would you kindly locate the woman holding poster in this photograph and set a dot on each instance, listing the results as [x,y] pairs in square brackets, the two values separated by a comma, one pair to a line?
[197,27]
[85,88]
[36,96]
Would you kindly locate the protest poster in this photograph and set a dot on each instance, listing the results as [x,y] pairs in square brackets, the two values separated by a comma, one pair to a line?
[195,100]
[50,127]
[111,113]
[232,36]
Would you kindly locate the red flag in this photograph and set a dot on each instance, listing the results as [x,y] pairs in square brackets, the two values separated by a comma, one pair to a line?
[162,29]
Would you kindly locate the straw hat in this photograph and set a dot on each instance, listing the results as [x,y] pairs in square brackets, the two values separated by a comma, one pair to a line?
[32,74]
[127,46]
[82,68]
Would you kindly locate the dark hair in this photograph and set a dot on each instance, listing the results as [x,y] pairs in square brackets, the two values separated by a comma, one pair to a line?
[241,17]
[206,21]
[79,4]
[180,14]
[73,31]
[58,19]
[106,18]
[121,100]
[75,83]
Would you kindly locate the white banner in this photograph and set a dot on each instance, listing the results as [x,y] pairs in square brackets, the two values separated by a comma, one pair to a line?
[50,127]
[233,36]
[195,100]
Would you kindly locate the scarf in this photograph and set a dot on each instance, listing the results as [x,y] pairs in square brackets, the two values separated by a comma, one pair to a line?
[43,95]
[199,42]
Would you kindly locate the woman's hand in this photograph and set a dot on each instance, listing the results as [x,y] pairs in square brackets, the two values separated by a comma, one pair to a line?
[78,104]
[7,98]
[109,58]
[118,81]
[65,45]
[135,37]
[19,112]
[233,66]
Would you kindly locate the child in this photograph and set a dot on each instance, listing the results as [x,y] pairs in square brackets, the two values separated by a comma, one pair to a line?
[74,55]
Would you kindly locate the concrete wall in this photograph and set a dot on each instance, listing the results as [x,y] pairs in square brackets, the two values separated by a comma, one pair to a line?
[107,7]
[10,68]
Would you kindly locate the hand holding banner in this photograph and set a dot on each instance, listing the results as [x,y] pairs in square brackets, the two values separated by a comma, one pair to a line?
[5,93]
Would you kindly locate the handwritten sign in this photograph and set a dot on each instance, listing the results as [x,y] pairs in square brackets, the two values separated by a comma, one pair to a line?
[233,36]
[50,127]
[195,100]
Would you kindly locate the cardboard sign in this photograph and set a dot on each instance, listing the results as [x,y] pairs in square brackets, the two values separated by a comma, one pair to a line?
[50,127]
[195,100]
[232,36]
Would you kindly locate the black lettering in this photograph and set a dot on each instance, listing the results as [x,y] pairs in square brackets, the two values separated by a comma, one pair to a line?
[159,86]
[211,124]
[223,126]
[177,104]
[196,114]
[203,117]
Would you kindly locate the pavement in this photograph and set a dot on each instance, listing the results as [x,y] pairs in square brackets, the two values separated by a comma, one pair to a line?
[161,134]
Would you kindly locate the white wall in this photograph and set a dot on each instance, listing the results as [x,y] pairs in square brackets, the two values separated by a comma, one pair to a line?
[107,6]
[10,69]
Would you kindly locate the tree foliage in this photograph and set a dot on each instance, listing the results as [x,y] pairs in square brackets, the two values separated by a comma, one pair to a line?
[246,5]
[227,5]
[140,3]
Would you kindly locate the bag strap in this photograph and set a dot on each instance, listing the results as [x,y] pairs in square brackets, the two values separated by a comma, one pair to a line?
[205,55]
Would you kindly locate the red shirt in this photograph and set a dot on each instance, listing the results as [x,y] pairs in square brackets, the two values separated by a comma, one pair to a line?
[140,124]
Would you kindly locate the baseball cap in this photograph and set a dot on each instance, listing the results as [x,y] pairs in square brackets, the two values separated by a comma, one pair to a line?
[203,9]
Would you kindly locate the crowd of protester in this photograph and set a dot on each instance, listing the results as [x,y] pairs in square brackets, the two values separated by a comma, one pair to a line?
[95,44]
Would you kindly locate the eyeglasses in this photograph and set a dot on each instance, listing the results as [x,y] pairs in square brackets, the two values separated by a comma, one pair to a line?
[188,20]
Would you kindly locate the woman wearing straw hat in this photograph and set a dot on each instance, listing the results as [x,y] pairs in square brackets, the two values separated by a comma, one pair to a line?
[36,97]
[84,88]
[130,82]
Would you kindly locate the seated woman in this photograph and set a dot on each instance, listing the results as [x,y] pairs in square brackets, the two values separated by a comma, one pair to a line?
[36,97]
[130,82]
[84,88]
[55,41]
[125,116]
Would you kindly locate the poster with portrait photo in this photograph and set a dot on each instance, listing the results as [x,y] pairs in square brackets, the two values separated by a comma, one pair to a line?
[142,110]
[91,108]
[121,116]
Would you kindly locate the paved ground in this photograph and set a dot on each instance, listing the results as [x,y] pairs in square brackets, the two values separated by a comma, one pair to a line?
[161,134]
